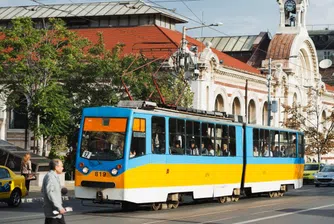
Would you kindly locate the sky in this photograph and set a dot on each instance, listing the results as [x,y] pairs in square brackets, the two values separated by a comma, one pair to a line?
[239,17]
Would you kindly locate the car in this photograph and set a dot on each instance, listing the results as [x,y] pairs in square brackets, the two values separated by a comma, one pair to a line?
[12,187]
[309,170]
[325,176]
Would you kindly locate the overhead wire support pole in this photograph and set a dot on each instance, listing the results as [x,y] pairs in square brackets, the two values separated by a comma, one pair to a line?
[269,97]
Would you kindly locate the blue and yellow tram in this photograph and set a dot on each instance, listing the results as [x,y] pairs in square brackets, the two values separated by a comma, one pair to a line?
[142,154]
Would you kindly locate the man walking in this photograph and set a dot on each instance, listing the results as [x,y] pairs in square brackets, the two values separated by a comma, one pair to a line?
[51,190]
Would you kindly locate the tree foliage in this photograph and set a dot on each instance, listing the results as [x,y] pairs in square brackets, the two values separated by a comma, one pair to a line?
[59,73]
[32,62]
[319,131]
[110,76]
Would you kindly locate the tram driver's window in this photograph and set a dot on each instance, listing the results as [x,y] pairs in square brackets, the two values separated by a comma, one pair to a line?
[138,141]
[158,135]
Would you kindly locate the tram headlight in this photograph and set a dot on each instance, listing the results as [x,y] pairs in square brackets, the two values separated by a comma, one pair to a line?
[114,172]
[85,170]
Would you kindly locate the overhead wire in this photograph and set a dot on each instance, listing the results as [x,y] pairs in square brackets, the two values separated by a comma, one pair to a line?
[192,12]
[237,39]
[200,23]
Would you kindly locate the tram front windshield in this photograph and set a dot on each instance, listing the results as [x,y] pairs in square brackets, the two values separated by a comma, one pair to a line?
[103,139]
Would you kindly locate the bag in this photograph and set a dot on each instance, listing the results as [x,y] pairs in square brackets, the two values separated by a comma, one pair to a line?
[31,177]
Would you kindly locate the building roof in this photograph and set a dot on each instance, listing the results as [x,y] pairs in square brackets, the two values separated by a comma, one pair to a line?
[155,42]
[323,39]
[280,46]
[95,9]
[329,87]
[232,43]
[320,32]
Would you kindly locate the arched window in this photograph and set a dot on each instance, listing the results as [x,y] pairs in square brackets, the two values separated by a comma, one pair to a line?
[251,112]
[207,98]
[236,107]
[323,124]
[219,104]
[294,103]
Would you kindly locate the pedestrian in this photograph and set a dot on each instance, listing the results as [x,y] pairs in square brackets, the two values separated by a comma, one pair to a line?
[51,190]
[26,169]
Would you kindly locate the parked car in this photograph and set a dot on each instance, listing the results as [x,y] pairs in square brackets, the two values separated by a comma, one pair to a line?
[325,176]
[12,187]
[309,170]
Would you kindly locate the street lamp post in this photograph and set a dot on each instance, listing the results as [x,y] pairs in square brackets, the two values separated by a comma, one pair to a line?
[182,50]
[184,40]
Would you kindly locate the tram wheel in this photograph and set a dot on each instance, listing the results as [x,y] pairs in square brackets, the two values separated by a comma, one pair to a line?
[156,206]
[276,194]
[235,198]
[222,200]
[271,194]
[173,205]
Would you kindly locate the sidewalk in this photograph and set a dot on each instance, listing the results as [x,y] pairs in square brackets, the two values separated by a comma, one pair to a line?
[35,194]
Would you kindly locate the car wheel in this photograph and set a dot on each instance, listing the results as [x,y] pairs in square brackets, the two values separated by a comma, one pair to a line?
[15,199]
[316,185]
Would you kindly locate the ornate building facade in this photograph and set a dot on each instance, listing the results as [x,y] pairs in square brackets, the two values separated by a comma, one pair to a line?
[294,79]
[295,71]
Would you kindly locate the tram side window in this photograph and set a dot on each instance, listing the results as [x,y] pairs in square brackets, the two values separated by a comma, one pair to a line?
[301,146]
[218,146]
[226,141]
[264,143]
[208,139]
[274,144]
[292,145]
[284,143]
[192,138]
[232,145]
[138,141]
[158,135]
[256,143]
[176,136]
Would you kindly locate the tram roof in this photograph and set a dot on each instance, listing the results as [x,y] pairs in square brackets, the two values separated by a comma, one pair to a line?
[220,117]
[273,128]
[151,106]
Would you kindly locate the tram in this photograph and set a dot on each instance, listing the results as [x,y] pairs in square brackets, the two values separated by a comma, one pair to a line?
[138,153]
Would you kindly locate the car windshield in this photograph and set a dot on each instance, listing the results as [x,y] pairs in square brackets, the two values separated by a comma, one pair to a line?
[309,167]
[328,169]
[103,139]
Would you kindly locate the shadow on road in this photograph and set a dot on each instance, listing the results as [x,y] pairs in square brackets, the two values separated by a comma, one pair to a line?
[319,212]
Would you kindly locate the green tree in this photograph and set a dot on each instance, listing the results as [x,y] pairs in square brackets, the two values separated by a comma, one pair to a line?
[109,74]
[177,90]
[32,63]
[319,131]
[60,72]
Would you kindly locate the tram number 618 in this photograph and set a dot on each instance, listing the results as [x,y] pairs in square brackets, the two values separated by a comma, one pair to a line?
[100,174]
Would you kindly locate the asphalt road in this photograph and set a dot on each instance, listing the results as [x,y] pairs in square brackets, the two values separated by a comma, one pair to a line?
[308,205]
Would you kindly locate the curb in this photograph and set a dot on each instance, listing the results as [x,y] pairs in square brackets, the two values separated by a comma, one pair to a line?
[41,199]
